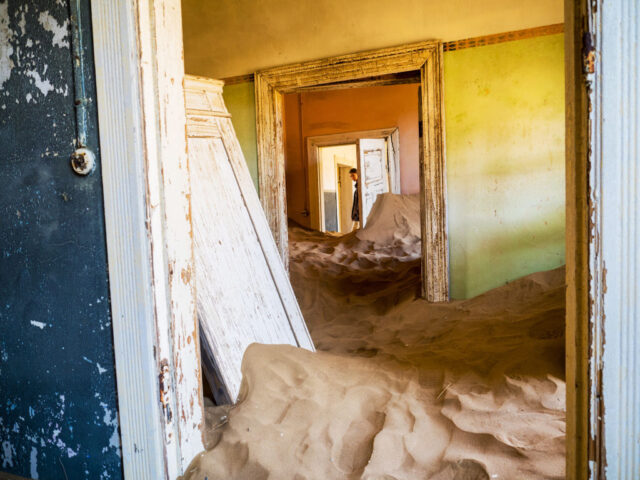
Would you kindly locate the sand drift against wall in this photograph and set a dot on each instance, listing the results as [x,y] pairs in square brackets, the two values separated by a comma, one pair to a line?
[472,389]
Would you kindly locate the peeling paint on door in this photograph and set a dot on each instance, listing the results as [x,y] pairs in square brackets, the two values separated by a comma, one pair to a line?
[58,409]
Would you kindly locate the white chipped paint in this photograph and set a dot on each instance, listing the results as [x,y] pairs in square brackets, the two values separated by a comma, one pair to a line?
[42,437]
[101,370]
[111,420]
[7,454]
[45,86]
[23,23]
[60,32]
[6,49]
[29,97]
[33,463]
[40,325]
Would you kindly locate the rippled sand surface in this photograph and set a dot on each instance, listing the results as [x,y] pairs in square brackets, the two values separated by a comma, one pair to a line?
[399,389]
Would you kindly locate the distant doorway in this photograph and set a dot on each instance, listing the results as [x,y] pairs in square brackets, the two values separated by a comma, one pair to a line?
[376,156]
[335,187]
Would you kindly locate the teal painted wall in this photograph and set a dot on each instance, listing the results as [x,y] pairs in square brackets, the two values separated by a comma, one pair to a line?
[241,103]
[504,107]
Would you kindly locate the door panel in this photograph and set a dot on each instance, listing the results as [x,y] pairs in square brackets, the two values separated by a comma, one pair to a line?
[393,150]
[244,294]
[374,178]
[58,413]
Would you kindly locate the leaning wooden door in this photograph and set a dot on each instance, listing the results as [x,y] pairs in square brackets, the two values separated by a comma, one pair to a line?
[58,410]
[244,294]
[374,179]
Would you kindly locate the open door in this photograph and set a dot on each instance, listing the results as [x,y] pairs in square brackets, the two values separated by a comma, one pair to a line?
[393,159]
[373,173]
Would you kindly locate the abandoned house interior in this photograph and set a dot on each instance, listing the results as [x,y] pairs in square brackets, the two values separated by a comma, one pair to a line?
[310,240]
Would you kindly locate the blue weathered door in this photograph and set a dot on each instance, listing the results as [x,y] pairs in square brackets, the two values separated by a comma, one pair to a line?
[58,410]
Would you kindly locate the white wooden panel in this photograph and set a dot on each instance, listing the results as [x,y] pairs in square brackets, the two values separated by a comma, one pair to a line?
[147,205]
[373,174]
[244,295]
[393,145]
[128,247]
[614,251]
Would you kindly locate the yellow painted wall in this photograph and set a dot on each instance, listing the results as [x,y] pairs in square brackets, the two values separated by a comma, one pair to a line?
[240,101]
[505,161]
[504,107]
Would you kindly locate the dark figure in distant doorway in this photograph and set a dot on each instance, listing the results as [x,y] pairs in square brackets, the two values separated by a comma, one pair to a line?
[355,209]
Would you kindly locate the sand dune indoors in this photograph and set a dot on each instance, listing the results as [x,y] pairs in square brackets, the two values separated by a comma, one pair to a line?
[400,389]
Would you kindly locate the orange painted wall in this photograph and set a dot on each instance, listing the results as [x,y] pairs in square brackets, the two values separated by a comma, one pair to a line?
[339,111]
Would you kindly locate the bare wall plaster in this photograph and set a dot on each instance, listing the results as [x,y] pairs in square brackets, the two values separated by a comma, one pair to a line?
[505,161]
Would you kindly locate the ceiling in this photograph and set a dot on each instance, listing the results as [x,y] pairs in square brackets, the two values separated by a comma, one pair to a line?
[224,38]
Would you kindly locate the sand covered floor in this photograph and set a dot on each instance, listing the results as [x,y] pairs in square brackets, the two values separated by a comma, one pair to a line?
[400,389]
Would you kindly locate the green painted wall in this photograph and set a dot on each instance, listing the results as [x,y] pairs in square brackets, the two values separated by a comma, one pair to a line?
[240,101]
[505,161]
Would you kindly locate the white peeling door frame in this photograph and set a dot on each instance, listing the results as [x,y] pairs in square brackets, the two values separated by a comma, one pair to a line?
[142,124]
[615,247]
[603,239]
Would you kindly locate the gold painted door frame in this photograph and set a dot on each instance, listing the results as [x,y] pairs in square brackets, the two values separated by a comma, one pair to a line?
[356,70]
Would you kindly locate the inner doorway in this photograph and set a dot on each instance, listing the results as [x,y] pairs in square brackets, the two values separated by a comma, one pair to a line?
[375,156]
[337,188]
[419,63]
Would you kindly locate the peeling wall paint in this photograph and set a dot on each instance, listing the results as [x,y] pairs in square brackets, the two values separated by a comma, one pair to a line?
[58,410]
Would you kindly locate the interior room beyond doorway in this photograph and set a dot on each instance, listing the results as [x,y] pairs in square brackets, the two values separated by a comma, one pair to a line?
[332,118]
[337,187]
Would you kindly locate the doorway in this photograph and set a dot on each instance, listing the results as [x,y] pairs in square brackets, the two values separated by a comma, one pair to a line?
[414,63]
[375,154]
[335,189]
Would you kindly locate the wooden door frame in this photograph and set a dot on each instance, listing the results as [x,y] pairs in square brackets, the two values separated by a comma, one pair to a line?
[577,245]
[314,182]
[142,124]
[356,70]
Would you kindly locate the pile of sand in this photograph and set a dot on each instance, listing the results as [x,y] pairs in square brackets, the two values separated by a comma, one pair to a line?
[404,389]
[393,217]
